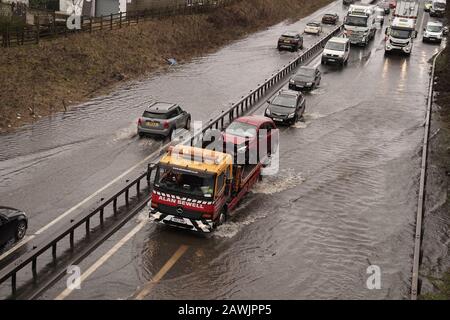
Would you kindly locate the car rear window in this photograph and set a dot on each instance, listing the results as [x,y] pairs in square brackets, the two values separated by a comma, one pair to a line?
[154,115]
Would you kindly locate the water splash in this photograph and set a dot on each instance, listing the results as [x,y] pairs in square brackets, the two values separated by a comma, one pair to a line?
[126,133]
[312,116]
[286,179]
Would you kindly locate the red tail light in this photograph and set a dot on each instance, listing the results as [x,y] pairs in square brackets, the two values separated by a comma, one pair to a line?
[207,216]
[139,121]
[166,124]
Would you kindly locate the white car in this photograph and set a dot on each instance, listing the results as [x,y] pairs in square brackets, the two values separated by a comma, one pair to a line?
[337,50]
[313,28]
[434,31]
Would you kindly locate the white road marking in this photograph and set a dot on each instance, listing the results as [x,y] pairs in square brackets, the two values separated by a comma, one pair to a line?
[17,246]
[65,214]
[104,258]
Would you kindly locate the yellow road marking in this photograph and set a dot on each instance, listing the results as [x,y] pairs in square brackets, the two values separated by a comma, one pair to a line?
[169,264]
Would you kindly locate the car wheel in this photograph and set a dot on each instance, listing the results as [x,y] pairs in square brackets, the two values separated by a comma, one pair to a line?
[140,134]
[188,124]
[21,230]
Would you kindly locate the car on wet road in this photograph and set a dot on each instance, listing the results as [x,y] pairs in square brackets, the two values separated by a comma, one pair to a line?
[337,50]
[384,4]
[313,28]
[287,107]
[393,4]
[245,134]
[306,78]
[290,40]
[13,225]
[434,32]
[163,118]
[330,18]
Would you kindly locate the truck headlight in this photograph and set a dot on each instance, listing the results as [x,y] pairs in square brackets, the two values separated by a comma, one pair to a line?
[291,81]
[268,111]
[309,84]
[291,115]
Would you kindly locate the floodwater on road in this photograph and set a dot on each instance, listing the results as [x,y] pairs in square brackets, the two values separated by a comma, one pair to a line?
[344,199]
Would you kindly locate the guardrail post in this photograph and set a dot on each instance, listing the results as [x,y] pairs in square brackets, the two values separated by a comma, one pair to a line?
[14,283]
[88,226]
[111,22]
[54,253]
[138,188]
[71,239]
[115,206]
[120,19]
[33,269]
[102,211]
[127,196]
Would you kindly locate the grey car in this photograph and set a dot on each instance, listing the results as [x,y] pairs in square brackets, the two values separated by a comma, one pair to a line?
[163,118]
[13,225]
[306,78]
[286,107]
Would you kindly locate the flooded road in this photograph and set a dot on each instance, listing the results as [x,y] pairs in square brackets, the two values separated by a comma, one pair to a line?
[345,197]
[49,167]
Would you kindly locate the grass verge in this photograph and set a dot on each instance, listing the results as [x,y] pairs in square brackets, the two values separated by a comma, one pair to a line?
[54,75]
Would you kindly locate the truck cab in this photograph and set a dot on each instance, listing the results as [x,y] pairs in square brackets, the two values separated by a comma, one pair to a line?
[195,189]
[400,35]
[360,24]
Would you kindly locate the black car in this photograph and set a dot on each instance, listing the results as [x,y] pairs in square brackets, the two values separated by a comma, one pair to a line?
[13,225]
[330,18]
[286,107]
[306,78]
[290,40]
[348,2]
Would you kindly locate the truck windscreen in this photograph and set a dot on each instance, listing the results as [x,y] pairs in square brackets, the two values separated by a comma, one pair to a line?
[439,5]
[400,34]
[191,184]
[357,21]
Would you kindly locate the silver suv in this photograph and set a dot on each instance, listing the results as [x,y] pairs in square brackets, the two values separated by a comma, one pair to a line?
[162,118]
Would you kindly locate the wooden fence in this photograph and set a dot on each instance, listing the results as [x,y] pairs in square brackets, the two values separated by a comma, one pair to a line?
[58,27]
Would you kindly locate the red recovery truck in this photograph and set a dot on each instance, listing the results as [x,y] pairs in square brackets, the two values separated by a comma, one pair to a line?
[196,189]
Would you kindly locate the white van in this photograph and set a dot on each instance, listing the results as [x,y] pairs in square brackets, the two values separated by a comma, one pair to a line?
[438,8]
[337,50]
